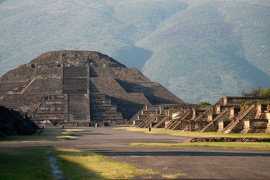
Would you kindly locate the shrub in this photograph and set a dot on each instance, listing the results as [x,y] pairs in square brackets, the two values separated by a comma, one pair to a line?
[204,103]
[263,102]
[227,119]
[265,93]
[246,104]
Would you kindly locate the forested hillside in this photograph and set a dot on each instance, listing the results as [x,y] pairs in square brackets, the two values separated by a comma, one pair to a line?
[199,49]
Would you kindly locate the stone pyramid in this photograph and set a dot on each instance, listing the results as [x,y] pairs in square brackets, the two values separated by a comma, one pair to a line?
[79,87]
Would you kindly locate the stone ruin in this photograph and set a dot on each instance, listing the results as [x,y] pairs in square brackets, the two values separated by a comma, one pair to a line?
[80,88]
[227,115]
[12,123]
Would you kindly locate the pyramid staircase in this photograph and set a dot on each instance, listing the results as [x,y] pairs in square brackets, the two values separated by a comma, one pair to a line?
[161,122]
[147,121]
[177,119]
[53,110]
[145,112]
[102,111]
[212,123]
[232,126]
[185,115]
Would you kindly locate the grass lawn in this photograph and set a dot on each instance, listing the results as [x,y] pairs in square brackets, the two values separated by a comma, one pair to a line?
[195,134]
[237,145]
[24,163]
[77,164]
[48,134]
[32,163]
[27,163]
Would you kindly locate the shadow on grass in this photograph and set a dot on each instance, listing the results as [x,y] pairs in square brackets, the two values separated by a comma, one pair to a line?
[181,153]
[26,163]
[74,170]
[48,134]
[77,164]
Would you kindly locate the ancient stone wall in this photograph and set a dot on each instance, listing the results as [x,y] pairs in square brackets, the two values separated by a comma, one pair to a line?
[154,92]
[44,86]
[24,102]
[22,73]
[48,72]
[74,58]
[80,74]
[108,86]
[74,86]
[74,72]
[77,107]
[12,87]
[129,104]
[241,100]
[121,73]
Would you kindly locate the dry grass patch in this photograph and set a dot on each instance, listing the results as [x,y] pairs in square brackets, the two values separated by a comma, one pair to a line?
[85,165]
[172,176]
[195,134]
[237,145]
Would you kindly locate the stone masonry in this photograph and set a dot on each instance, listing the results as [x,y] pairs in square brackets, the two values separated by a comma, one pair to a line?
[80,88]
[227,115]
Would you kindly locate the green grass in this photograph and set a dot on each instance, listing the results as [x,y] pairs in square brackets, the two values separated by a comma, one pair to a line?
[195,134]
[237,145]
[172,176]
[77,164]
[31,163]
[48,134]
[24,163]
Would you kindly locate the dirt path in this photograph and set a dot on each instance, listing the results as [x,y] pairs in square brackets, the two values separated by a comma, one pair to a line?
[188,162]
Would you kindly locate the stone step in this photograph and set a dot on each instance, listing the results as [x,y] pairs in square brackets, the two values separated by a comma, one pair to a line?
[103,108]
[74,71]
[97,96]
[74,86]
[150,112]
[56,97]
[43,109]
[51,103]
[44,116]
[153,107]
[78,106]
[100,102]
[107,115]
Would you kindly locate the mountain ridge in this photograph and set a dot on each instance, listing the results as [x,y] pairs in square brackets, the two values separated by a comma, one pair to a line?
[199,50]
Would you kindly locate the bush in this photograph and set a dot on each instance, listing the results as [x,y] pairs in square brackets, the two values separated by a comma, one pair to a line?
[263,102]
[246,104]
[204,103]
[265,93]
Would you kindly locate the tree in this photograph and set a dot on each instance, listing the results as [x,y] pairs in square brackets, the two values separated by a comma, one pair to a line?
[204,103]
[265,93]
[254,92]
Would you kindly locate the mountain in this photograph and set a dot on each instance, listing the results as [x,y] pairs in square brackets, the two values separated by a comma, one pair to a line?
[199,49]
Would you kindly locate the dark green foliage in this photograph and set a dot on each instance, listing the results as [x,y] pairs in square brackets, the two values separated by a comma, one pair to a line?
[246,104]
[204,103]
[226,120]
[265,93]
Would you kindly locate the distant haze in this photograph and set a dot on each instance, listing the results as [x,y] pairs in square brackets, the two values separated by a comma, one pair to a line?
[200,50]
